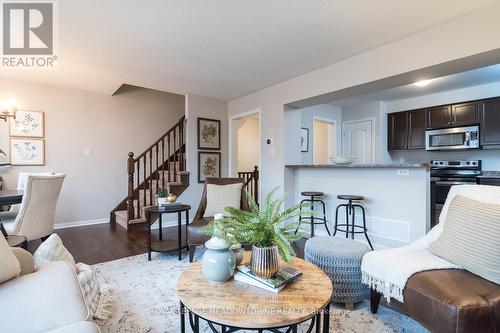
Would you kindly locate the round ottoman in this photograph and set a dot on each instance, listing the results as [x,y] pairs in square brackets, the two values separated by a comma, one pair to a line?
[340,259]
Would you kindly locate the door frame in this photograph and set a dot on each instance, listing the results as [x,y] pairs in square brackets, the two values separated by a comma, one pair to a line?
[233,149]
[370,119]
[326,120]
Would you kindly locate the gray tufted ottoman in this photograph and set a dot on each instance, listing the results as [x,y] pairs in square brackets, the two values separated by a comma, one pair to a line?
[340,259]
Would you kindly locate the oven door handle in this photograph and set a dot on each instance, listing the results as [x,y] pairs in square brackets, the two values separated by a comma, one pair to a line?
[454,183]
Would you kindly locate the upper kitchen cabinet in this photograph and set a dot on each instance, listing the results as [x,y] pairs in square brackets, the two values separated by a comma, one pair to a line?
[397,131]
[464,114]
[490,123]
[453,115]
[416,129]
[439,116]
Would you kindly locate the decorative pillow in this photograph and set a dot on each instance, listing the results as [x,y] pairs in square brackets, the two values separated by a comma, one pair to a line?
[97,299]
[52,250]
[221,196]
[9,265]
[470,237]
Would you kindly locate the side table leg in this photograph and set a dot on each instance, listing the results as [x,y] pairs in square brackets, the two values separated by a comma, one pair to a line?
[318,322]
[160,225]
[179,235]
[148,223]
[326,319]
[183,319]
[187,223]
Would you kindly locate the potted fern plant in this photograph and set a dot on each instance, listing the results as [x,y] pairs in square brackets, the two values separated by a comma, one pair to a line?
[161,196]
[263,227]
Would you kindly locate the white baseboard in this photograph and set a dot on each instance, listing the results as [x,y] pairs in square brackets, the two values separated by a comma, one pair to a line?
[80,223]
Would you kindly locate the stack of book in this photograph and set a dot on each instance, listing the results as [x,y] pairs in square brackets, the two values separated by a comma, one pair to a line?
[274,284]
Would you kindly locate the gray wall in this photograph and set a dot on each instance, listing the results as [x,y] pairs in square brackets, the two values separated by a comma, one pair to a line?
[110,126]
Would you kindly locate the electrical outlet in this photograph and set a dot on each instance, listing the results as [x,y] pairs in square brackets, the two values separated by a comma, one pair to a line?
[403,172]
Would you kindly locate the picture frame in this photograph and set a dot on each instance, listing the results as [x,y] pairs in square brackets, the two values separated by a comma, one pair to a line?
[27,123]
[209,137]
[27,151]
[304,140]
[209,165]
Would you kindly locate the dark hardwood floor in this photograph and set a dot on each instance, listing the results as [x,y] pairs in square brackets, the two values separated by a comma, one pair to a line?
[106,242]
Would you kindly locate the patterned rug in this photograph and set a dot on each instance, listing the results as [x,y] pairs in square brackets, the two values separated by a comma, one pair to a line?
[144,300]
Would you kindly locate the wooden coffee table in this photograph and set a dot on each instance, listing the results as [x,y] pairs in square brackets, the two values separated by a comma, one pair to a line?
[233,306]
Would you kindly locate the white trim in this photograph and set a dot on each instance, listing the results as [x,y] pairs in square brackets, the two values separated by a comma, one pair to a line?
[372,120]
[329,121]
[232,121]
[80,223]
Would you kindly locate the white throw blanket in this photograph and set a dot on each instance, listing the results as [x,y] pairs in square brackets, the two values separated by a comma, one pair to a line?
[400,264]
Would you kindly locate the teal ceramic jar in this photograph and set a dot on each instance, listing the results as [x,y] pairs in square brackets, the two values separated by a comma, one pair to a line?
[218,262]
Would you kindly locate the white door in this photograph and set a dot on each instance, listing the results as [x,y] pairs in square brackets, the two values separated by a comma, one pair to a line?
[357,141]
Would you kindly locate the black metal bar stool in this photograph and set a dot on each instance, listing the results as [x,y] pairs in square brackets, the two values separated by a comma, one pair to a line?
[315,197]
[350,209]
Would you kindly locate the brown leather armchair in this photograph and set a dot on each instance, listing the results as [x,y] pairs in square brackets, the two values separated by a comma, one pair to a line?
[450,301]
[194,235]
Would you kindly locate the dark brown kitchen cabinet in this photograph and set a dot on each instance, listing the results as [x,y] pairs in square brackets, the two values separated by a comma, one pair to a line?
[490,123]
[439,116]
[397,127]
[464,114]
[416,129]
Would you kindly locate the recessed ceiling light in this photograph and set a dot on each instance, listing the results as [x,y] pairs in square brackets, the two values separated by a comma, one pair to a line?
[422,83]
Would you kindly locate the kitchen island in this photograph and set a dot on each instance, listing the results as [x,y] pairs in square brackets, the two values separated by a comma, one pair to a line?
[397,197]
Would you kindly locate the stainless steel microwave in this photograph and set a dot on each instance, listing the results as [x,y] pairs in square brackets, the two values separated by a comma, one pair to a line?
[452,138]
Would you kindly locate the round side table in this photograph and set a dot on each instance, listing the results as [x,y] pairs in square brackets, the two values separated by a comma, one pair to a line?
[169,244]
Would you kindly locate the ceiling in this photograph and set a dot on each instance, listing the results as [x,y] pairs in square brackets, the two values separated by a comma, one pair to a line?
[224,48]
[475,77]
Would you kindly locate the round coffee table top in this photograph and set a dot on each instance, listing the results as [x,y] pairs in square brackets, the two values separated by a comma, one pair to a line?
[238,304]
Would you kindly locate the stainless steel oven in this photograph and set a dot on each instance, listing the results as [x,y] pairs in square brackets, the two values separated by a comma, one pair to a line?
[444,175]
[452,138]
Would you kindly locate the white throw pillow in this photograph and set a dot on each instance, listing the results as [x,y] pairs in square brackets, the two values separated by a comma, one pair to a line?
[221,196]
[9,265]
[52,250]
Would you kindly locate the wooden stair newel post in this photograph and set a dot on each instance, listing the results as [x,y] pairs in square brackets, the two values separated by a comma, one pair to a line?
[130,193]
[256,183]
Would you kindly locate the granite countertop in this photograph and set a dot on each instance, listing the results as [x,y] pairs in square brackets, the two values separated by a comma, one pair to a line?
[490,174]
[387,165]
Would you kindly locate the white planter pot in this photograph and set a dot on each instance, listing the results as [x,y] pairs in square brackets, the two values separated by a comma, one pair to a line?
[161,201]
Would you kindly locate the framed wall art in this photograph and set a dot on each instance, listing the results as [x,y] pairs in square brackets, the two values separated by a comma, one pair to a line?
[209,164]
[27,151]
[28,124]
[304,140]
[208,134]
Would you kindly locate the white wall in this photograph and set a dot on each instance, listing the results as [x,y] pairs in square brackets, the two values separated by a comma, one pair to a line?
[248,143]
[490,158]
[478,33]
[307,115]
[110,126]
[204,107]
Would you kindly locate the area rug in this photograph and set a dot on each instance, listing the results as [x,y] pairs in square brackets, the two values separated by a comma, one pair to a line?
[144,300]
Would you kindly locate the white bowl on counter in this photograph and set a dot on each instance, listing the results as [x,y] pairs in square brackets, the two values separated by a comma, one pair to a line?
[342,160]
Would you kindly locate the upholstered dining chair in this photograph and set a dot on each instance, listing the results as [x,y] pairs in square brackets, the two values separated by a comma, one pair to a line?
[195,236]
[36,215]
[21,184]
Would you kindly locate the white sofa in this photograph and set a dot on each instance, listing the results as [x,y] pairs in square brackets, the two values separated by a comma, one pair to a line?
[46,300]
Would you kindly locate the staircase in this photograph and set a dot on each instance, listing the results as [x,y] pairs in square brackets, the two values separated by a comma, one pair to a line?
[162,164]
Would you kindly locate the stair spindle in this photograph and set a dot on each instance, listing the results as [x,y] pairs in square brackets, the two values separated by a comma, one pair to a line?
[138,184]
[130,191]
[162,163]
[150,178]
[156,172]
[168,154]
[175,157]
